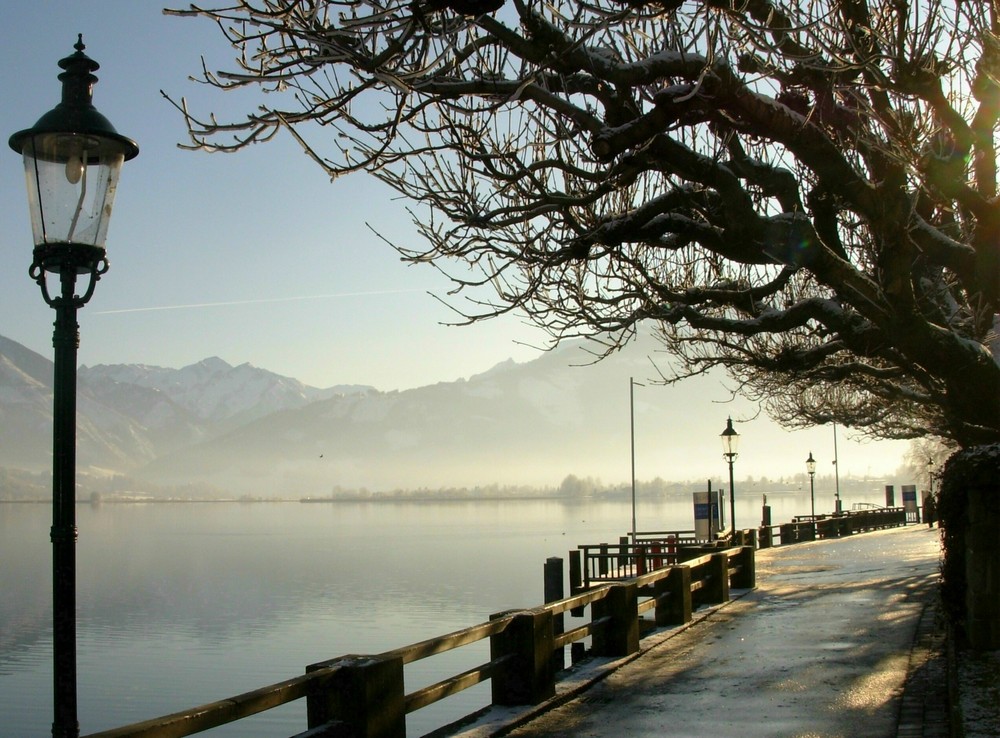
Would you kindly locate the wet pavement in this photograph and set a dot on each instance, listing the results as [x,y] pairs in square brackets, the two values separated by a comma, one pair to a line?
[821,648]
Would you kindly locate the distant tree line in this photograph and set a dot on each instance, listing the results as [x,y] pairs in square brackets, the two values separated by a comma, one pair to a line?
[18,485]
[576,487]
[22,485]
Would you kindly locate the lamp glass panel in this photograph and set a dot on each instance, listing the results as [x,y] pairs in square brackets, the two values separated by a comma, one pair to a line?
[730,442]
[71,181]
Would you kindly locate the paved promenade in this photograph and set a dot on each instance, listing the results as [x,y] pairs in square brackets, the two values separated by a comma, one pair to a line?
[821,648]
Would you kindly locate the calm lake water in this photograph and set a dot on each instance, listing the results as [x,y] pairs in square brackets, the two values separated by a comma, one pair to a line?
[186,603]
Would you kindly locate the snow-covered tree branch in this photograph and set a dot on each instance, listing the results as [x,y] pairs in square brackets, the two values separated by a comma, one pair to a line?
[804,193]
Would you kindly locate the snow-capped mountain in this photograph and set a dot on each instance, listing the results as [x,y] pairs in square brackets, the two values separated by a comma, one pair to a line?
[106,438]
[247,430]
[128,415]
[210,391]
[513,424]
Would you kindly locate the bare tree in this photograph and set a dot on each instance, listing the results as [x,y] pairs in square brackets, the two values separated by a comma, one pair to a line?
[802,192]
[924,460]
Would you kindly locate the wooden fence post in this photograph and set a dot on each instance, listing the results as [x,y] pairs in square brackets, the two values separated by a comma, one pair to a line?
[718,579]
[555,590]
[788,534]
[366,692]
[575,579]
[655,549]
[620,637]
[527,677]
[765,537]
[676,609]
[746,578]
[640,561]
[623,548]
[844,527]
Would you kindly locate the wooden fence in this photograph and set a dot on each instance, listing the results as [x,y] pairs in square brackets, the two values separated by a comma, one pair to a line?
[603,562]
[807,528]
[364,696]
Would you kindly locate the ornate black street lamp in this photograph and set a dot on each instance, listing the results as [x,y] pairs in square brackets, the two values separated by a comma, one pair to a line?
[72,157]
[811,468]
[730,443]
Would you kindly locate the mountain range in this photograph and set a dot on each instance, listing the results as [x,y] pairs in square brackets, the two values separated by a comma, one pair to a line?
[131,415]
[247,431]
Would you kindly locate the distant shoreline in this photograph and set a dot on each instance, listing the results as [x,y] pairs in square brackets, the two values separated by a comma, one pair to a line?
[378,499]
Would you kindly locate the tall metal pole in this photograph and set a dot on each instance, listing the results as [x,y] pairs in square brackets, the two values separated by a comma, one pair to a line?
[631,406]
[836,467]
[65,341]
[732,496]
[812,493]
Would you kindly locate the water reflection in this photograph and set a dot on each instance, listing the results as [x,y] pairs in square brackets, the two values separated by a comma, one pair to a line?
[182,604]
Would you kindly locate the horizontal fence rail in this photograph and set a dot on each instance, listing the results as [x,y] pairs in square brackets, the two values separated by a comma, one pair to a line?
[668,574]
[808,528]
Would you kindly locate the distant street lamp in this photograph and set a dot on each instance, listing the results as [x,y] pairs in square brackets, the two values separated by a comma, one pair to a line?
[730,443]
[811,468]
[72,157]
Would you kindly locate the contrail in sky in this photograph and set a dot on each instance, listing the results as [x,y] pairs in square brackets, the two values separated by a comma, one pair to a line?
[252,302]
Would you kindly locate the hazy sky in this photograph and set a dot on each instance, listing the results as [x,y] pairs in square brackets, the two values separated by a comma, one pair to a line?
[254,257]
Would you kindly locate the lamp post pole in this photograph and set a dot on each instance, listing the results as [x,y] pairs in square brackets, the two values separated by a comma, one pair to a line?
[836,469]
[65,341]
[730,442]
[811,468]
[72,157]
[732,496]
[631,413]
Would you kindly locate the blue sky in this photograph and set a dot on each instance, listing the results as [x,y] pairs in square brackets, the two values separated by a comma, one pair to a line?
[307,290]
[257,257]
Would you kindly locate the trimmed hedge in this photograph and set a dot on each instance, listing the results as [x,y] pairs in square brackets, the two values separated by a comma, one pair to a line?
[976,467]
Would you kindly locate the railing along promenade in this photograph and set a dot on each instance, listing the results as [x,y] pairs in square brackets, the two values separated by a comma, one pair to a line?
[655,549]
[668,574]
